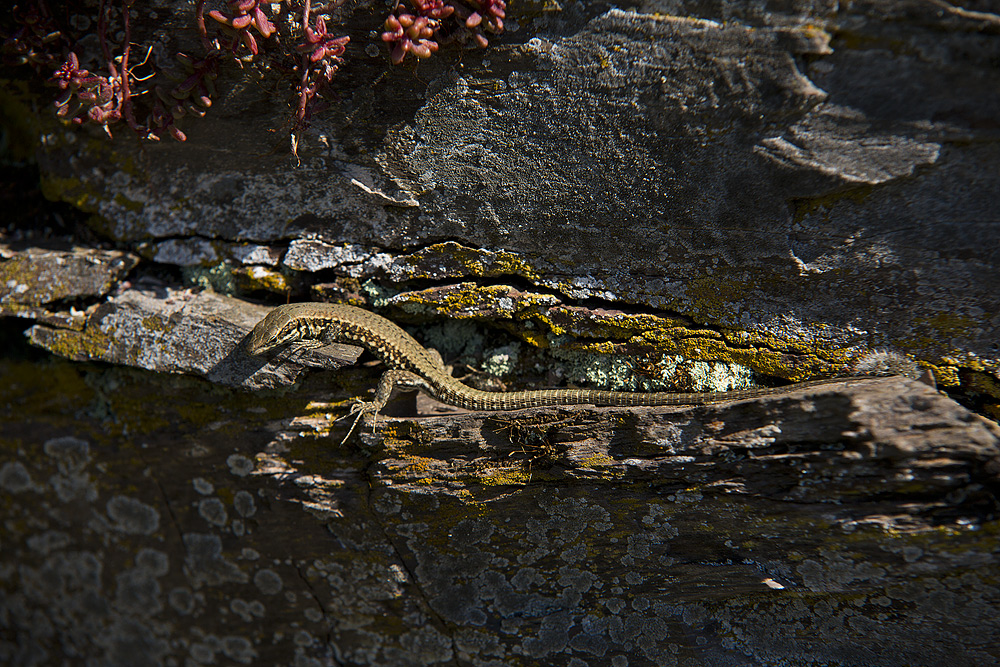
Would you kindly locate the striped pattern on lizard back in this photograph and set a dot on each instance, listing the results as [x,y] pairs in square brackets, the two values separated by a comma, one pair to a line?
[412,365]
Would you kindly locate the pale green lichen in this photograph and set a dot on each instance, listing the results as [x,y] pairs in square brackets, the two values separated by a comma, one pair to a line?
[500,361]
[619,372]
[600,370]
[377,294]
[218,278]
[455,340]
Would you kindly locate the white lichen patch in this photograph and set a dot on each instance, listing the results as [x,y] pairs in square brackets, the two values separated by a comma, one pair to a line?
[213,511]
[205,562]
[202,486]
[132,516]
[268,581]
[15,478]
[239,465]
[244,504]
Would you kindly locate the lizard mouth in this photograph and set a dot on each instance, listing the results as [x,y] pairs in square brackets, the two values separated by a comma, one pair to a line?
[254,347]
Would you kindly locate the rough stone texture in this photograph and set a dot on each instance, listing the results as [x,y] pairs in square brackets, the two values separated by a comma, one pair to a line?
[184,332]
[667,195]
[39,283]
[818,173]
[173,521]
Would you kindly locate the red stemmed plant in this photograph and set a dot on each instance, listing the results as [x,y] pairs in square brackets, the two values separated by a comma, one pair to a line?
[320,57]
[420,27]
[103,90]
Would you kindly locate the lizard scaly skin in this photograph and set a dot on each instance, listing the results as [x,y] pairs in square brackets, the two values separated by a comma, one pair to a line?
[412,365]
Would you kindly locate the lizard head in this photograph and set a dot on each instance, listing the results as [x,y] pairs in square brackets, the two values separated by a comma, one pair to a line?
[270,332]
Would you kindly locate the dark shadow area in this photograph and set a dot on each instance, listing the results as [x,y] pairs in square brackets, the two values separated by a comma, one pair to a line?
[14,345]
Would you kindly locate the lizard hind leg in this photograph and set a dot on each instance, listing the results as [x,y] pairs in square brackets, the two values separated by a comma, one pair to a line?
[390,380]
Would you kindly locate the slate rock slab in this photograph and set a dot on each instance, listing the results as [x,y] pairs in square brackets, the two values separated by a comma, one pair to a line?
[184,332]
[40,283]
[852,524]
[783,187]
[819,174]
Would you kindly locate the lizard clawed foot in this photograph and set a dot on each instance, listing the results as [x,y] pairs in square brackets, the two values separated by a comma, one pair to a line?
[361,408]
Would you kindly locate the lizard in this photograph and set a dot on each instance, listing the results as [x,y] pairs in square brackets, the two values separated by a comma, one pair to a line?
[411,365]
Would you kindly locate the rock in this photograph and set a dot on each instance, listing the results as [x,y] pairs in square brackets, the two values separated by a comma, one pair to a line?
[689,196]
[35,281]
[821,178]
[184,332]
[837,522]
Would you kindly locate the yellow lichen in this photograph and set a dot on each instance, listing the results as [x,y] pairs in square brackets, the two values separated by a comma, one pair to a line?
[504,477]
[81,194]
[455,260]
[539,319]
[945,375]
[597,461]
[90,344]
[260,278]
[157,324]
